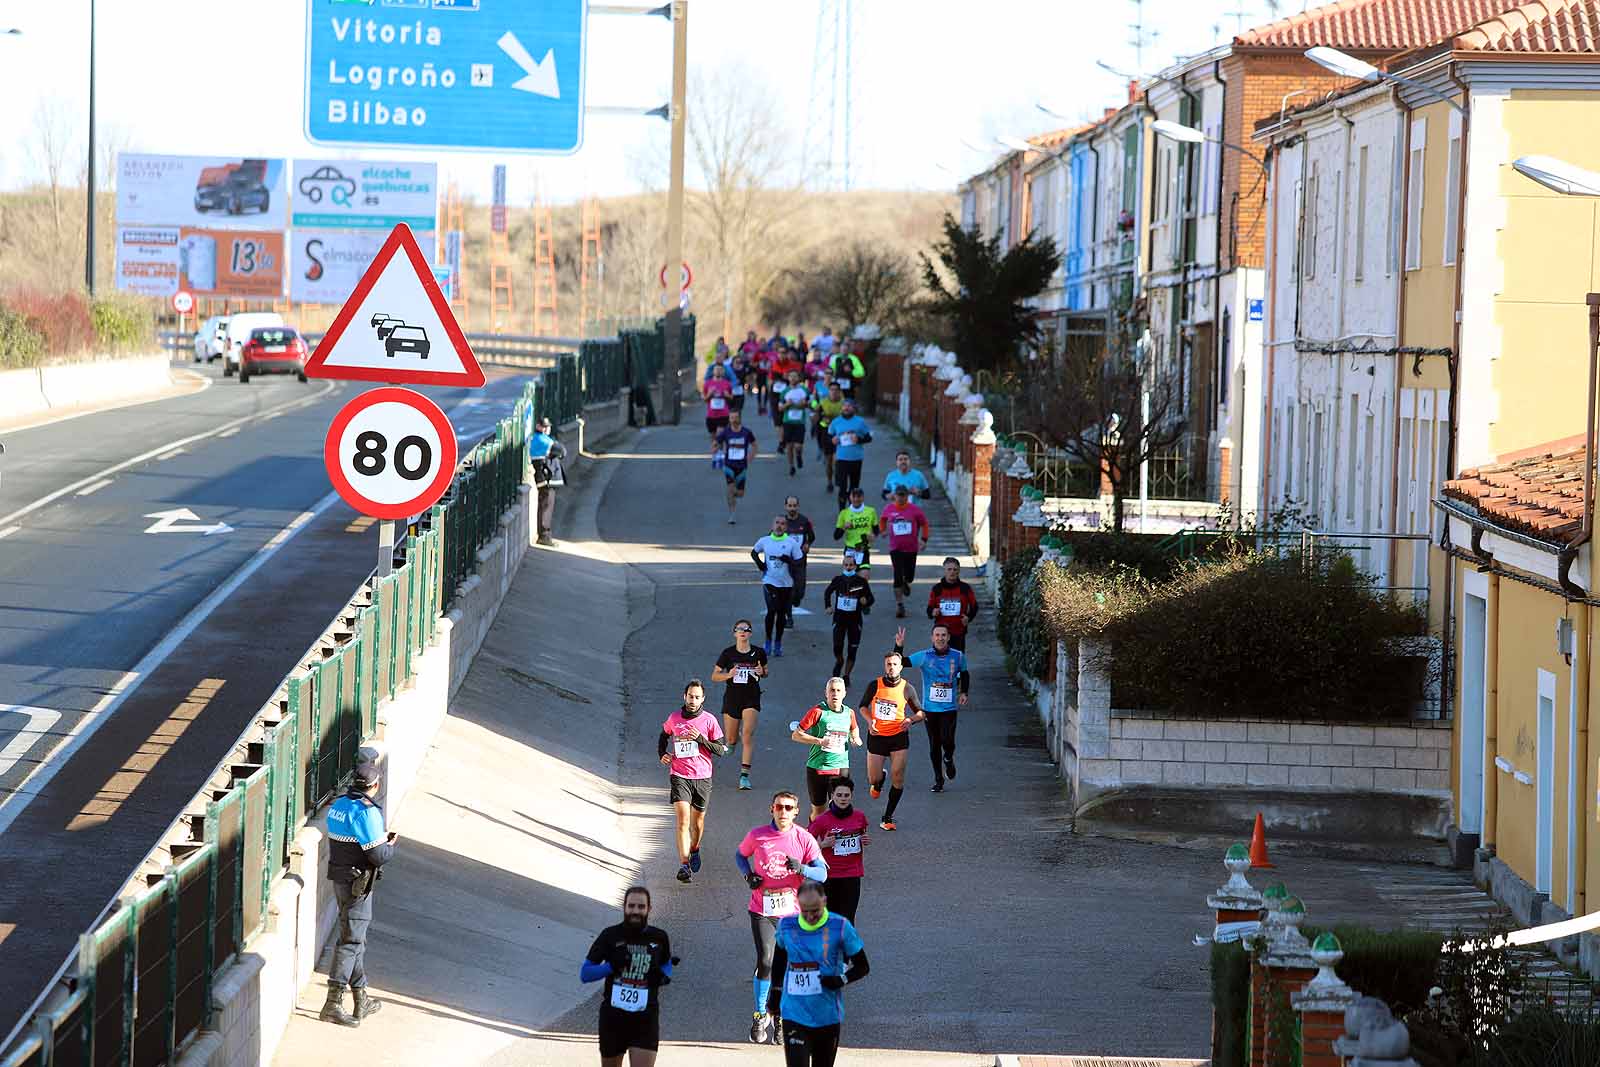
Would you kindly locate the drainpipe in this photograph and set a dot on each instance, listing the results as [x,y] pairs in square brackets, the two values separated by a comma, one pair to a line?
[1403,146]
[1269,333]
[1578,849]
[1491,717]
[1589,444]
[1447,607]
[1338,314]
[1235,426]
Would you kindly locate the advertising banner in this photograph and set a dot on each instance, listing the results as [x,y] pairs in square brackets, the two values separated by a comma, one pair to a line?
[345,194]
[452,259]
[497,208]
[213,192]
[160,260]
[327,264]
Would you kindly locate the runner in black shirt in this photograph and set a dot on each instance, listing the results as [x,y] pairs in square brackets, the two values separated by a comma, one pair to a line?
[636,960]
[799,526]
[742,666]
[848,598]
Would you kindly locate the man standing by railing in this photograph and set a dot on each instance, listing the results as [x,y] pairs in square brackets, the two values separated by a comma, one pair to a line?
[358,847]
[546,454]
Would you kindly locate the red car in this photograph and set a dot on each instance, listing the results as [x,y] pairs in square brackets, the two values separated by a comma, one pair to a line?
[273,350]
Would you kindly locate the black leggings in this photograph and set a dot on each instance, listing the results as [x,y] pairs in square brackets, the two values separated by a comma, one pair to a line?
[765,932]
[844,896]
[810,1046]
[797,571]
[847,476]
[846,635]
[777,608]
[941,739]
[905,568]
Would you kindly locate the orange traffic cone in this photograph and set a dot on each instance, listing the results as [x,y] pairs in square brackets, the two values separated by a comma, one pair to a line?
[1258,846]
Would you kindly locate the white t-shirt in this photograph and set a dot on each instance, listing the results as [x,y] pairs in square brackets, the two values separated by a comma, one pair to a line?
[778,553]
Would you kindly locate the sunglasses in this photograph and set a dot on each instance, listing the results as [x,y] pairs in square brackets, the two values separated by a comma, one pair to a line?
[741,629]
[784,807]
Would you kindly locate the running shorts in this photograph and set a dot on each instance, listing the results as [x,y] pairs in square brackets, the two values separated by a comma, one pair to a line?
[733,703]
[735,477]
[622,1030]
[697,791]
[905,568]
[713,424]
[885,745]
[794,433]
[865,548]
[819,784]
[736,402]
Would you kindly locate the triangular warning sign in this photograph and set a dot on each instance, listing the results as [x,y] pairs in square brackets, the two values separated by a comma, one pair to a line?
[397,326]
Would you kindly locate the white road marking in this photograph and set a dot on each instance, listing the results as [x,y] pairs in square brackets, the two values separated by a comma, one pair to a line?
[169,455]
[95,487]
[8,531]
[229,432]
[167,522]
[40,723]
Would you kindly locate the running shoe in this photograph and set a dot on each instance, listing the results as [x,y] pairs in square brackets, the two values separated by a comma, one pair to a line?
[950,767]
[766,647]
[877,788]
[683,872]
[730,520]
[886,824]
[744,780]
[694,861]
[760,1027]
[938,786]
[777,649]
[899,611]
[776,1036]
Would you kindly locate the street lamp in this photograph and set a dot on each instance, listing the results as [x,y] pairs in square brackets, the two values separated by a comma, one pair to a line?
[1558,175]
[1348,66]
[1189,135]
[1017,144]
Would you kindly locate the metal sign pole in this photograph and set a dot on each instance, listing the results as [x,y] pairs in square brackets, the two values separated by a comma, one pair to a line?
[672,362]
[385,548]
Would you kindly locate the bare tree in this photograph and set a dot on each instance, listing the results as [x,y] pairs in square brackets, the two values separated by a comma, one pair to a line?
[851,286]
[52,150]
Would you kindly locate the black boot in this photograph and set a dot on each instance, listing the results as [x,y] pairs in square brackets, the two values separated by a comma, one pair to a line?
[333,1011]
[365,1005]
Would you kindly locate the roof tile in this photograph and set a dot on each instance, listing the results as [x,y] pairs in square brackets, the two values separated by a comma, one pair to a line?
[1376,26]
[1541,496]
[1561,26]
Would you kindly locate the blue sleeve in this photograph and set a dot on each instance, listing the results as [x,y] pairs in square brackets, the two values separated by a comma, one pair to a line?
[371,836]
[917,659]
[742,861]
[666,968]
[816,870]
[851,941]
[593,972]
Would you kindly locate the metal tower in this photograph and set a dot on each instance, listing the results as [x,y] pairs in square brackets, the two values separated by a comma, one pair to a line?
[455,224]
[544,270]
[590,260]
[829,123]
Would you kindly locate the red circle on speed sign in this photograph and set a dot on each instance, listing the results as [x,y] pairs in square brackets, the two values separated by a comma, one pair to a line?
[183,301]
[390,453]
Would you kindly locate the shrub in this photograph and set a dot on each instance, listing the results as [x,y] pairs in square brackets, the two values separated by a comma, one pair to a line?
[1230,999]
[120,324]
[1020,621]
[61,318]
[1145,553]
[20,344]
[1542,1037]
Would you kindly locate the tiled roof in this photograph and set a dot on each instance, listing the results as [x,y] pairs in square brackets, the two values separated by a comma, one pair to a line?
[1538,26]
[1375,26]
[1541,496]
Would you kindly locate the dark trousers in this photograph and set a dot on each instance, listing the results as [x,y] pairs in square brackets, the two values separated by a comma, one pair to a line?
[844,896]
[777,608]
[642,396]
[941,739]
[847,476]
[547,510]
[349,955]
[810,1046]
[797,571]
[846,639]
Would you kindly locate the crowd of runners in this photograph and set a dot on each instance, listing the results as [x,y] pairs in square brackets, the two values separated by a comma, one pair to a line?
[804,880]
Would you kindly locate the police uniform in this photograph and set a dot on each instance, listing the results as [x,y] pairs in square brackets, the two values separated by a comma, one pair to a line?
[358,846]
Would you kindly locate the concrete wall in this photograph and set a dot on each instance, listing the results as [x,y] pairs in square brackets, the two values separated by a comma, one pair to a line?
[29,392]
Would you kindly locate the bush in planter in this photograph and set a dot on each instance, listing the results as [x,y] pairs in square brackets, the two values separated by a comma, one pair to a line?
[1020,622]
[119,324]
[61,318]
[20,344]
[1145,553]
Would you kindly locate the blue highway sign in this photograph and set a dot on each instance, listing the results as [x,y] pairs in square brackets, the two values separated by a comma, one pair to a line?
[500,75]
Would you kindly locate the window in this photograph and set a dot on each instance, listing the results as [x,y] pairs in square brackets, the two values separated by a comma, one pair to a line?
[1314,462]
[1408,486]
[1350,463]
[1369,462]
[1361,213]
[1441,468]
[1338,221]
[1286,465]
[1391,235]
[1310,224]
[1419,137]
[1304,495]
[1452,191]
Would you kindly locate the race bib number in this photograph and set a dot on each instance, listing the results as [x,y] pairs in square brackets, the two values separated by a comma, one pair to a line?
[845,603]
[629,997]
[901,527]
[685,749]
[794,415]
[885,710]
[847,439]
[802,980]
[833,741]
[950,607]
[843,383]
[847,845]
[777,902]
[855,554]
[942,694]
[743,675]
[736,453]
[719,403]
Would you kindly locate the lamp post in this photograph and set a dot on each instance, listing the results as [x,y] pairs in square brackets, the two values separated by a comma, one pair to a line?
[1348,66]
[88,259]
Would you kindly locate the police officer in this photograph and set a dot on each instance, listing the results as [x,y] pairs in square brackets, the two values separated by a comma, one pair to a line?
[358,847]
[546,453]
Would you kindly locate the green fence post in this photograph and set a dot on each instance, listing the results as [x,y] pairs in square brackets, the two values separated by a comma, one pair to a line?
[130,970]
[170,889]
[211,927]
[269,839]
[87,960]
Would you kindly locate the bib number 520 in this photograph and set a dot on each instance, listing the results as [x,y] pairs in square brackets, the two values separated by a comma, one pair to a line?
[390,453]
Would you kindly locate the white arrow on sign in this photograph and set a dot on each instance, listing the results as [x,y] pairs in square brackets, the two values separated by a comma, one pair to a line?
[167,522]
[540,77]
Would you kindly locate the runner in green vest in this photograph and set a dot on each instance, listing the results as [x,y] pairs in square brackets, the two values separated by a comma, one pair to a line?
[830,729]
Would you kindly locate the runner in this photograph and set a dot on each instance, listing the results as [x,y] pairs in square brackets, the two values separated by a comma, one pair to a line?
[742,667]
[857,524]
[903,521]
[849,432]
[801,527]
[773,555]
[848,599]
[687,735]
[783,362]
[945,681]
[735,445]
[636,960]
[817,954]
[774,860]
[841,833]
[828,408]
[738,372]
[902,474]
[825,342]
[760,367]
[796,404]
[717,389]
[847,371]
[953,603]
[884,703]
[829,728]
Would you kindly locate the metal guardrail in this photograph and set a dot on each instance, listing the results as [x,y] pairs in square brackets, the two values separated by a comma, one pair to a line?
[488,347]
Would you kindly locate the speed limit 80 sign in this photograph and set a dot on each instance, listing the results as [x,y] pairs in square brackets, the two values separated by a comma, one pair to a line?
[390,453]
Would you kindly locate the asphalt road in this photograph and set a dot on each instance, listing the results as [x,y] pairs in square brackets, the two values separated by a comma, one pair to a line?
[96,633]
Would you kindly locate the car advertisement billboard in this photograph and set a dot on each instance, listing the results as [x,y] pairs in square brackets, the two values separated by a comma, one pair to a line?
[212,192]
[160,260]
[325,265]
[347,194]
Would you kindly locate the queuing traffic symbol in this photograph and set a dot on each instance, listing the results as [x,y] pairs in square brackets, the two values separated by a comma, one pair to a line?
[451,74]
[390,453]
[397,326]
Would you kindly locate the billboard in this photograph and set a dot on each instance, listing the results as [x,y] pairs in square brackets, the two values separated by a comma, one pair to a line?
[325,265]
[497,210]
[213,192]
[345,194]
[160,260]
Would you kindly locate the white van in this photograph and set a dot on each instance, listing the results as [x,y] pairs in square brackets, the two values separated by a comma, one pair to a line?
[209,338]
[237,332]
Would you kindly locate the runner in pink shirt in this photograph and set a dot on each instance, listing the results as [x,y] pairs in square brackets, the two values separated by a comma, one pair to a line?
[775,859]
[689,738]
[718,390]
[907,527]
[841,831]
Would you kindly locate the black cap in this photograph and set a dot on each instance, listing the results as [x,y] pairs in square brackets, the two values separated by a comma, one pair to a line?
[366,774]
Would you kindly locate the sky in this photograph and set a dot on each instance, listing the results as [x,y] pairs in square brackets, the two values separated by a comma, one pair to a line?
[226,77]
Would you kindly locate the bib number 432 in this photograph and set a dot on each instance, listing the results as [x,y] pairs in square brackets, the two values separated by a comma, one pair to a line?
[390,453]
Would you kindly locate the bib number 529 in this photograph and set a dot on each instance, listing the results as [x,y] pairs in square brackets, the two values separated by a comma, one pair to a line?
[390,453]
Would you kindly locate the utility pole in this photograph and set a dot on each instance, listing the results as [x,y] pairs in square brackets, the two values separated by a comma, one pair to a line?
[671,364]
[88,259]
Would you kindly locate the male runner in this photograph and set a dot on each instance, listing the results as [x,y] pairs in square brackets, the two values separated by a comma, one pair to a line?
[945,681]
[828,408]
[884,703]
[902,474]
[636,960]
[953,603]
[774,860]
[904,522]
[841,831]
[849,432]
[848,599]
[686,737]
[742,667]
[857,524]
[847,371]
[796,407]
[801,527]
[736,444]
[773,555]
[829,728]
[817,954]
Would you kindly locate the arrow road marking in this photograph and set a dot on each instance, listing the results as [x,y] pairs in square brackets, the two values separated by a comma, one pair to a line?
[167,522]
[40,722]
[538,78]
